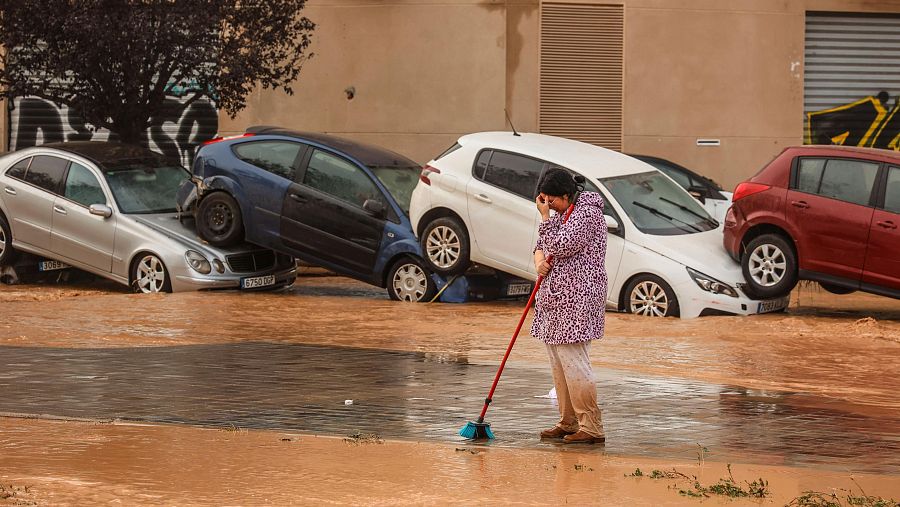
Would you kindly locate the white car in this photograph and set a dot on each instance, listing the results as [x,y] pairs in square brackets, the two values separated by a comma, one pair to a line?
[475,204]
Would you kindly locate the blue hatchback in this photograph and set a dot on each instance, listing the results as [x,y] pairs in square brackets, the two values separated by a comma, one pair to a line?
[329,201]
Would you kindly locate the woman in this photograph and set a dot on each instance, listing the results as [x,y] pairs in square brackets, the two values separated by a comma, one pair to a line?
[570,305]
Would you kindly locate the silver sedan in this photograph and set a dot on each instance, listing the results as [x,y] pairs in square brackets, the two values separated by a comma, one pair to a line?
[109,209]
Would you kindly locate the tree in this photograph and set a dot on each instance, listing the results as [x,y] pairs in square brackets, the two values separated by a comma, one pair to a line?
[114,61]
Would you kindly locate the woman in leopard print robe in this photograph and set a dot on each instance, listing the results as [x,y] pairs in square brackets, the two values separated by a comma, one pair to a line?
[570,305]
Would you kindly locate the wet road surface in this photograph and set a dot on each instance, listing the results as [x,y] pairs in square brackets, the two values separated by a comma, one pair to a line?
[813,387]
[416,396]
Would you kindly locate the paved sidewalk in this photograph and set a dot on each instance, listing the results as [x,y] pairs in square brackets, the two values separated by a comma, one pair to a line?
[429,397]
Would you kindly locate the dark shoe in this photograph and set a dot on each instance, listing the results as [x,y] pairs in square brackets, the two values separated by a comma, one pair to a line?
[555,432]
[583,438]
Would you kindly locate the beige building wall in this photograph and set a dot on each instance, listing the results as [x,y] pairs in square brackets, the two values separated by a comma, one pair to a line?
[726,70]
[426,72]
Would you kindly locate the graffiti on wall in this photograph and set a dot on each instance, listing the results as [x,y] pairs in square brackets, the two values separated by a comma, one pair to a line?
[177,134]
[869,121]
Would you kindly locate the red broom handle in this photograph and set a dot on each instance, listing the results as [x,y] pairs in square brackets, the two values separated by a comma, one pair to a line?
[537,285]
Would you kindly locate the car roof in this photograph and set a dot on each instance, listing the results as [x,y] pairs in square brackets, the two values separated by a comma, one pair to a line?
[587,159]
[107,152]
[833,149]
[370,155]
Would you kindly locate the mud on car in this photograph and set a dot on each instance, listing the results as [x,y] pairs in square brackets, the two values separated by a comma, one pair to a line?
[109,209]
[332,202]
[830,214]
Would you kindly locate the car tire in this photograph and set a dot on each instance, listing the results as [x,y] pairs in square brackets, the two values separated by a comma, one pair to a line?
[769,265]
[149,275]
[651,296]
[219,220]
[837,289]
[7,253]
[445,244]
[409,280]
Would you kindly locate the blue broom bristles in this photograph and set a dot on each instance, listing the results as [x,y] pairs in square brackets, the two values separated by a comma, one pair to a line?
[476,431]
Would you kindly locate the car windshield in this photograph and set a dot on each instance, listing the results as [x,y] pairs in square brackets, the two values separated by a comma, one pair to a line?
[145,186]
[400,182]
[657,205]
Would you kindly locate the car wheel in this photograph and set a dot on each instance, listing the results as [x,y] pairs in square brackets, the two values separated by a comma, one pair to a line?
[446,246]
[651,296]
[219,220]
[149,275]
[7,254]
[837,289]
[410,281]
[770,267]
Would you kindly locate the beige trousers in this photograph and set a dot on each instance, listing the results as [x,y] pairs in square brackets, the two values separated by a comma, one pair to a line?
[576,387]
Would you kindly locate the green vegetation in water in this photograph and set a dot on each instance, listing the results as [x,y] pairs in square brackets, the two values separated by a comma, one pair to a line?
[758,488]
[846,499]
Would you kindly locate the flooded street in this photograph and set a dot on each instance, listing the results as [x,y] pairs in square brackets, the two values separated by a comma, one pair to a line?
[812,391]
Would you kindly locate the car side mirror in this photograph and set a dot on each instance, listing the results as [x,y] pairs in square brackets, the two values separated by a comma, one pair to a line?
[375,208]
[612,225]
[100,210]
[698,193]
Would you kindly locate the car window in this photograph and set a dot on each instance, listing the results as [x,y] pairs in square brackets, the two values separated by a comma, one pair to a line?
[337,177]
[809,174]
[658,206]
[276,157]
[82,186]
[484,158]
[514,173]
[682,179]
[848,180]
[17,171]
[145,186]
[46,172]
[892,191]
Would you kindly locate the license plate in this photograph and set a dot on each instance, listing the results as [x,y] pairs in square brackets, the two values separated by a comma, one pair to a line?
[773,305]
[257,282]
[52,265]
[518,289]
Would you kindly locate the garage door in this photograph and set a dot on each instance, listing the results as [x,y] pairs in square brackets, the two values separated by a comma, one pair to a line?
[581,72]
[852,80]
[34,121]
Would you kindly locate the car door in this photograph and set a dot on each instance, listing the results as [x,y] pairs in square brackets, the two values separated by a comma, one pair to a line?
[500,202]
[76,234]
[29,196]
[266,189]
[324,215]
[829,204]
[883,255]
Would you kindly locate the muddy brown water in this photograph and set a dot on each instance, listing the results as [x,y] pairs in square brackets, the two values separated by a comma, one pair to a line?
[825,369]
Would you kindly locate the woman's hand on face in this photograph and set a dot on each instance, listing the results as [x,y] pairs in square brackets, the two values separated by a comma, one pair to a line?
[543,268]
[543,205]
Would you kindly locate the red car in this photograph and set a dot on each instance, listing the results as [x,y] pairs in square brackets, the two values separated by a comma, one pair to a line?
[823,213]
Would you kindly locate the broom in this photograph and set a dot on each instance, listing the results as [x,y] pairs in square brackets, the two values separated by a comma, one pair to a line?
[478,429]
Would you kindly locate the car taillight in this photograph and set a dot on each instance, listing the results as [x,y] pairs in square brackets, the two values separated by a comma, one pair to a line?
[426,172]
[220,139]
[748,188]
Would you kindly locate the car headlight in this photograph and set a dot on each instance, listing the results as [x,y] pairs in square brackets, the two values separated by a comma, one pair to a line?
[197,262]
[710,284]
[218,265]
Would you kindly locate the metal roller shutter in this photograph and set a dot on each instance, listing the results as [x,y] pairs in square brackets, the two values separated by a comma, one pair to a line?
[852,79]
[34,121]
[581,72]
